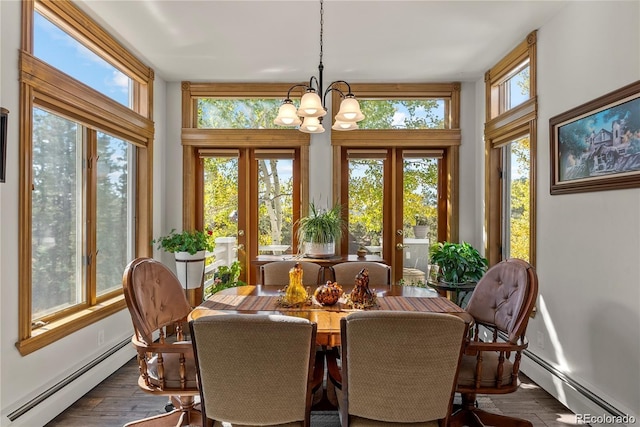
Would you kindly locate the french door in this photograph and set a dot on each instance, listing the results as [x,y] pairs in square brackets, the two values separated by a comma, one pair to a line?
[251,195]
[387,191]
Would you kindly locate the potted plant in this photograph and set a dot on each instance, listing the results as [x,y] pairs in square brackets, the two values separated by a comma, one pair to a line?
[189,249]
[226,276]
[421,227]
[459,263]
[320,230]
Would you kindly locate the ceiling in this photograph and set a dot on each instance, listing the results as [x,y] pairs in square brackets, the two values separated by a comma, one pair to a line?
[389,41]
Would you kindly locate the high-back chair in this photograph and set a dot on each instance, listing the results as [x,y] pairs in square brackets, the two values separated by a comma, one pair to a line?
[501,304]
[397,367]
[256,369]
[345,273]
[277,273]
[158,306]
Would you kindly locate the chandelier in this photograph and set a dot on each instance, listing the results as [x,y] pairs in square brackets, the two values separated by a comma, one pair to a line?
[312,108]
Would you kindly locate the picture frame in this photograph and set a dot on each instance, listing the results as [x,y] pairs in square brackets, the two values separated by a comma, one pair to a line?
[4,116]
[596,146]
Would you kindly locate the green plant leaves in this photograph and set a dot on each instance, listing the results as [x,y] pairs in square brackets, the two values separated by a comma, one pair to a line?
[459,262]
[187,241]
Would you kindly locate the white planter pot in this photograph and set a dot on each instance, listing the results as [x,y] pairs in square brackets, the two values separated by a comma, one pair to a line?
[190,269]
[319,250]
[420,231]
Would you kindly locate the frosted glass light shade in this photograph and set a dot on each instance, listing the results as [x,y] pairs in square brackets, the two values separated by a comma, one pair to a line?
[349,110]
[340,125]
[287,115]
[311,105]
[311,125]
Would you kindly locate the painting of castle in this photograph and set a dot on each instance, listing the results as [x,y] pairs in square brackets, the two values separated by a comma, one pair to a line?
[604,143]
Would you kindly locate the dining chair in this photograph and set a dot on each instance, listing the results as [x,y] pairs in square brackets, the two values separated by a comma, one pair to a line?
[277,273]
[398,368]
[256,369]
[346,272]
[500,305]
[159,308]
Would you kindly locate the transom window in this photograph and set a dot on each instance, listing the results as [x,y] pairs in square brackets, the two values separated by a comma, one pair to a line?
[57,48]
[403,113]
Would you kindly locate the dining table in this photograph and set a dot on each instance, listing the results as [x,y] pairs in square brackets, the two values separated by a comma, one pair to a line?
[252,299]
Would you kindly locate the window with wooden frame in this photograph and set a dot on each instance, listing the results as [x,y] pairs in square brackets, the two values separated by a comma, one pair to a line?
[242,177]
[85,171]
[399,170]
[510,164]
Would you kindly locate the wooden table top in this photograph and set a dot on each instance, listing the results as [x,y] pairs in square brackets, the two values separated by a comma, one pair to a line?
[263,299]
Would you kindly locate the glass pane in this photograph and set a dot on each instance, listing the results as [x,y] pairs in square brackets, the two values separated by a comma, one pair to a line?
[420,214]
[275,206]
[366,194]
[218,113]
[402,114]
[57,48]
[517,200]
[221,196]
[56,214]
[517,88]
[113,216]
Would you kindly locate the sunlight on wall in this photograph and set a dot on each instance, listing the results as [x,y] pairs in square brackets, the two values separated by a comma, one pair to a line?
[562,364]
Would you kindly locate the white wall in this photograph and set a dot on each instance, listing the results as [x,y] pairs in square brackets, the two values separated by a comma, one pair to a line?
[24,378]
[588,244]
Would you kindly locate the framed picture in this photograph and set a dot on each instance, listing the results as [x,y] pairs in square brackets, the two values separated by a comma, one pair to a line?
[596,146]
[3,143]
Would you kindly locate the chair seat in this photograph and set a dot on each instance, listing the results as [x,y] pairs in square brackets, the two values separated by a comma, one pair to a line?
[171,362]
[466,375]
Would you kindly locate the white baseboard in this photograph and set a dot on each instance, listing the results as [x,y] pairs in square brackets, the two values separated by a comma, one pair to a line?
[45,407]
[575,397]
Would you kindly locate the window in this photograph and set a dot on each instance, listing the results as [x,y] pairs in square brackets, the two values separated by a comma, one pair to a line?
[244,177]
[510,138]
[85,155]
[399,170]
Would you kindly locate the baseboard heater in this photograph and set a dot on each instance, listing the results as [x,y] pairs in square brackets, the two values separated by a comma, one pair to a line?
[575,385]
[66,381]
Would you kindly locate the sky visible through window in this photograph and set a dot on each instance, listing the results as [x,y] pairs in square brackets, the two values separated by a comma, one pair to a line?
[63,52]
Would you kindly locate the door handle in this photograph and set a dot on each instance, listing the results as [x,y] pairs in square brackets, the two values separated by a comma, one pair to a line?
[399,246]
[241,247]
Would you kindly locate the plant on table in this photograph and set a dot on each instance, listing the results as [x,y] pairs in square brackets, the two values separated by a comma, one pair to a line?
[321,227]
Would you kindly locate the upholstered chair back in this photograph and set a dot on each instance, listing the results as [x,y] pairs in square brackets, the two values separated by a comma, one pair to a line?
[502,297]
[255,369]
[345,273]
[154,297]
[277,273]
[399,367]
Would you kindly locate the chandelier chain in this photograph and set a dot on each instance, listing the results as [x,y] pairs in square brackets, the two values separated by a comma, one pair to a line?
[321,26]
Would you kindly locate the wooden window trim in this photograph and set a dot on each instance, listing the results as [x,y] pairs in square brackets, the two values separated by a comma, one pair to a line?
[195,140]
[45,87]
[447,140]
[502,128]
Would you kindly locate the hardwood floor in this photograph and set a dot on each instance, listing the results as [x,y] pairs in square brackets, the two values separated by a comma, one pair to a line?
[118,400]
